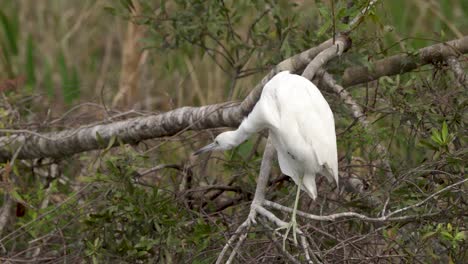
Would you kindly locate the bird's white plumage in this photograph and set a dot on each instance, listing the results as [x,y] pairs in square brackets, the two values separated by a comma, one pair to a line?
[301,125]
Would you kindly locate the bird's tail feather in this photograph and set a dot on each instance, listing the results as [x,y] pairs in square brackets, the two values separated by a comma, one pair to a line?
[329,174]
[309,186]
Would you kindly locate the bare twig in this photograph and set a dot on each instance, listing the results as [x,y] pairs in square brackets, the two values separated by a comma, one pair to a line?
[355,22]
[427,199]
[385,218]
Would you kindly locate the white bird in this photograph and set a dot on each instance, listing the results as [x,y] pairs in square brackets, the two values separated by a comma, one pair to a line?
[301,127]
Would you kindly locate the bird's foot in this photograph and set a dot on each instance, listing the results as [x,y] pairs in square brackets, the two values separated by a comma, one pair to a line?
[291,225]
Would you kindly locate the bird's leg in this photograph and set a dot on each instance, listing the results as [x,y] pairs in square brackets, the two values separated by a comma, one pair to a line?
[293,223]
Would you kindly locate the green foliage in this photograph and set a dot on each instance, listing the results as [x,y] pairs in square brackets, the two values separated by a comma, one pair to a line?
[133,222]
[418,117]
[214,27]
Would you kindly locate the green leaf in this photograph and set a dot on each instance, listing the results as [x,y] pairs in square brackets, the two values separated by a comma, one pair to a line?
[436,137]
[99,139]
[446,235]
[427,144]
[111,143]
[460,236]
[324,11]
[324,27]
[16,196]
[449,227]
[444,132]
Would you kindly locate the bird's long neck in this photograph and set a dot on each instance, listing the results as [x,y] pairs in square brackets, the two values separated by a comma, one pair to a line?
[250,125]
[241,134]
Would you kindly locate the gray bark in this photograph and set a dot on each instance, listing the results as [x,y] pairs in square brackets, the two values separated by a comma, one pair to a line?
[229,114]
[402,63]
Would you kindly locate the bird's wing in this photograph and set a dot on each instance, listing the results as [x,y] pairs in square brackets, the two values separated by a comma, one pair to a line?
[310,119]
[286,166]
[317,126]
[265,113]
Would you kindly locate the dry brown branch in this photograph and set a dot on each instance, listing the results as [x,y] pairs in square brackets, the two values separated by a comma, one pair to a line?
[402,63]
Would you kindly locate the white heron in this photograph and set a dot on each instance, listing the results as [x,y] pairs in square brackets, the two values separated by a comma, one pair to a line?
[301,127]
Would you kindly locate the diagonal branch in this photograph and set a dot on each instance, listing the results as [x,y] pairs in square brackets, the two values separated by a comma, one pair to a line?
[229,114]
[402,63]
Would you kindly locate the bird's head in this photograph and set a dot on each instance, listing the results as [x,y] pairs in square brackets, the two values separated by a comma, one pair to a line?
[223,141]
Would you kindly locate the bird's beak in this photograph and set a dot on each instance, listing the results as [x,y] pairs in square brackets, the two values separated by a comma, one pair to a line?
[206,148]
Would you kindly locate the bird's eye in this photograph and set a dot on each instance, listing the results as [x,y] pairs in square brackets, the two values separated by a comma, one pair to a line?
[216,142]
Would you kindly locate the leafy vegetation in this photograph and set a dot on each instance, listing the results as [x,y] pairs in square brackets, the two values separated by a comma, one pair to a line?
[152,202]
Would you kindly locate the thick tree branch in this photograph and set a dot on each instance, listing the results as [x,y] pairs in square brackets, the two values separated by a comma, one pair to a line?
[294,64]
[230,114]
[325,56]
[402,63]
